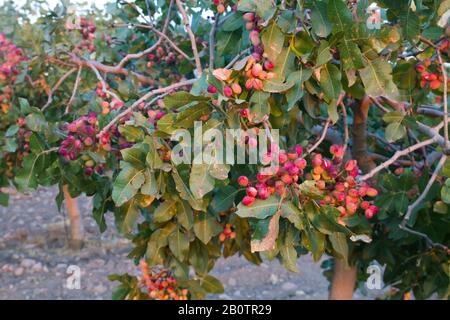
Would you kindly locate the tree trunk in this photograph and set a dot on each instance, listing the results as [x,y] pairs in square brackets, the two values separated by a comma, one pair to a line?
[76,224]
[343,283]
[344,277]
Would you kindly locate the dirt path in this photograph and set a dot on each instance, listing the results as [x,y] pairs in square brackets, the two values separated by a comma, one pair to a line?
[34,259]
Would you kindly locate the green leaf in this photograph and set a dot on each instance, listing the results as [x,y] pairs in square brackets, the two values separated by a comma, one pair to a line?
[287,21]
[232,22]
[393,116]
[211,284]
[127,183]
[185,192]
[165,211]
[296,93]
[284,65]
[350,54]
[179,244]
[288,252]
[186,118]
[223,199]
[150,186]
[330,81]
[273,40]
[166,123]
[182,98]
[200,181]
[36,122]
[440,207]
[293,214]
[185,215]
[339,15]
[303,45]
[323,53]
[395,131]
[126,217]
[377,79]
[446,168]
[135,156]
[260,209]
[205,227]
[32,165]
[321,26]
[132,133]
[339,242]
[12,130]
[410,23]
[445,192]
[289,257]
[266,233]
[265,9]
[259,106]
[316,242]
[24,106]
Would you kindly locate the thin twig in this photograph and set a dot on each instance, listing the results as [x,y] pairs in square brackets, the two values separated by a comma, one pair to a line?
[102,81]
[397,155]
[212,41]
[138,55]
[237,57]
[161,34]
[378,104]
[57,85]
[322,137]
[404,224]
[192,38]
[143,99]
[74,92]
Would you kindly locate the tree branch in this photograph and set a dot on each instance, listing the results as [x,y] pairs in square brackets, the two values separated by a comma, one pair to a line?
[102,81]
[212,41]
[143,99]
[397,155]
[404,224]
[74,92]
[57,85]
[321,138]
[191,36]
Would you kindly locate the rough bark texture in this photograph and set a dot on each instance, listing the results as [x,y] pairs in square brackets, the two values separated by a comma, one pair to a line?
[76,224]
[344,277]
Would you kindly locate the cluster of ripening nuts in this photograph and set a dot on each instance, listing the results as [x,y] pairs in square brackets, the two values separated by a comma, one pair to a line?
[161,284]
[431,74]
[14,159]
[82,137]
[10,58]
[106,105]
[252,77]
[87,30]
[252,24]
[334,179]
[161,56]
[227,233]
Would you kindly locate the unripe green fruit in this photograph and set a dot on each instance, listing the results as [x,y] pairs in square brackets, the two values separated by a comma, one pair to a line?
[89,163]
